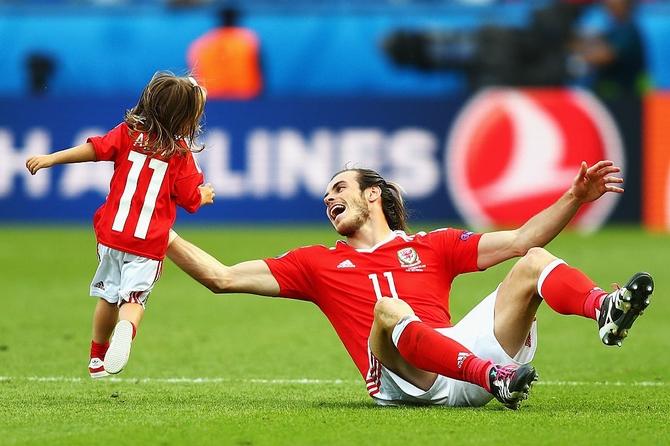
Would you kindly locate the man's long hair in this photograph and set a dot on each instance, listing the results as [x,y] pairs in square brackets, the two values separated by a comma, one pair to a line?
[393,204]
[168,113]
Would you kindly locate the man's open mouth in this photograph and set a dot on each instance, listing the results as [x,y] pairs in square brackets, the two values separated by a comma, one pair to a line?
[336,210]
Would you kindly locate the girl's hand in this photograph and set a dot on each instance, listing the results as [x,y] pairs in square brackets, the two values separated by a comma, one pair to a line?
[206,194]
[35,163]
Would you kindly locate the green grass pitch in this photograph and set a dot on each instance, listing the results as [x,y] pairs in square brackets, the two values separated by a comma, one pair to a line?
[245,370]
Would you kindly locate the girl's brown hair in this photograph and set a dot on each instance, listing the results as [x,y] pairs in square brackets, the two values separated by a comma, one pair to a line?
[169,113]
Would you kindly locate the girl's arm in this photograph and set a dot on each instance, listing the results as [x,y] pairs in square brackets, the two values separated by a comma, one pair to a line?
[78,154]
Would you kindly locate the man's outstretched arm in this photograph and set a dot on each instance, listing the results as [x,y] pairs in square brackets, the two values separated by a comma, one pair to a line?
[590,184]
[253,277]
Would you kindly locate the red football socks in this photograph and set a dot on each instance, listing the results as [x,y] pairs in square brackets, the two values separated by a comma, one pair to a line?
[427,349]
[98,350]
[568,291]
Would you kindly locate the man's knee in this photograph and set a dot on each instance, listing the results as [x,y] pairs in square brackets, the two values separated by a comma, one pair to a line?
[533,263]
[388,311]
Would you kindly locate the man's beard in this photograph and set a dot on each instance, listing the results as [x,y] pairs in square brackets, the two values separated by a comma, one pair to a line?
[361,216]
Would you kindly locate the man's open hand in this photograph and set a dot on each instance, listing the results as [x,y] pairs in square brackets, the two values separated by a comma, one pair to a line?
[593,182]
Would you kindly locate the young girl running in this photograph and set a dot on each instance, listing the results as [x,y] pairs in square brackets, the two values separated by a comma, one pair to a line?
[154,171]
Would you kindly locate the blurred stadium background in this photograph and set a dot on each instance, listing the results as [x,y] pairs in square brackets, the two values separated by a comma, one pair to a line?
[379,83]
[481,109]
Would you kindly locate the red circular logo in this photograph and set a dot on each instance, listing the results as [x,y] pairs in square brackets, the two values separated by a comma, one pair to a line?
[512,153]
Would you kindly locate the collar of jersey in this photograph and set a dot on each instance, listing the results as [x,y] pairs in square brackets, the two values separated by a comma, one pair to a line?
[392,236]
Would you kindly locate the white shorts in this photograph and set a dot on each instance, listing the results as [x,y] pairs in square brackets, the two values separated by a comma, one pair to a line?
[474,331]
[123,277]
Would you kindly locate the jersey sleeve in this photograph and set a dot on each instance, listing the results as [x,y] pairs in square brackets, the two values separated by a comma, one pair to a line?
[186,192]
[292,272]
[459,248]
[108,146]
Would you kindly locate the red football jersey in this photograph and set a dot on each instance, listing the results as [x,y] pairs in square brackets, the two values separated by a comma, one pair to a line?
[143,193]
[346,283]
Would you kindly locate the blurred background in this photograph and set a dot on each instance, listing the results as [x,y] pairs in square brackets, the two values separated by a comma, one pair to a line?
[481,109]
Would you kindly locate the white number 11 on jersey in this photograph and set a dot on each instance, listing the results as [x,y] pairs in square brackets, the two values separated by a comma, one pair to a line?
[159,168]
[389,279]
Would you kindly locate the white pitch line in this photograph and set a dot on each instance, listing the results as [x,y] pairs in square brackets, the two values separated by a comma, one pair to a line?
[181,380]
[603,383]
[184,380]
